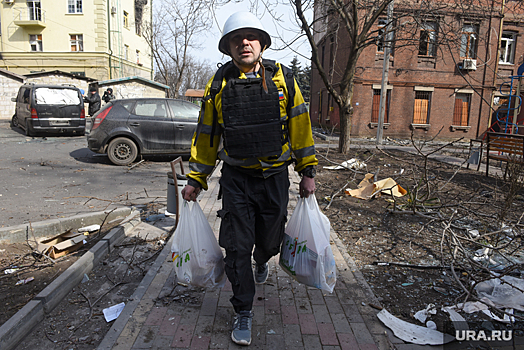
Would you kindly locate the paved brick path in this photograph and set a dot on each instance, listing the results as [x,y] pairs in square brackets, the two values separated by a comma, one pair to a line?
[287,315]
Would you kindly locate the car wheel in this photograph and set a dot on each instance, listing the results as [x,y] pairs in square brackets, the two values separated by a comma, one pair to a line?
[14,121]
[122,151]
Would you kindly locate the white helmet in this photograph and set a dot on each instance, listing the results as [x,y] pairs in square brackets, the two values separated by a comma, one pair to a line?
[241,20]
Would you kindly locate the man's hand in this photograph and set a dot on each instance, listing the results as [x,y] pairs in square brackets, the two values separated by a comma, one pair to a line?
[190,193]
[306,186]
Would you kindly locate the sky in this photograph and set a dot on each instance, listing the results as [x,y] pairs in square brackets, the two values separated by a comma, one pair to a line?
[210,40]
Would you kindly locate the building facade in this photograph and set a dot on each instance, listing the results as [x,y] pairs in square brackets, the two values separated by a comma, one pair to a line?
[99,39]
[446,92]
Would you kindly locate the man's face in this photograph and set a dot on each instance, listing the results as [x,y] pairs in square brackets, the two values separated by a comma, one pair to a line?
[244,47]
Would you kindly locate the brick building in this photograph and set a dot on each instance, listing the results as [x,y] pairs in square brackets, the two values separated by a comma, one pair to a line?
[431,90]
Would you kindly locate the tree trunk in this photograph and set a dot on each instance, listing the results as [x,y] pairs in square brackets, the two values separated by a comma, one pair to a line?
[346,114]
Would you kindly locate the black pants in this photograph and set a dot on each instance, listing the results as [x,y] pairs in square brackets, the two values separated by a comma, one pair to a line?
[253,213]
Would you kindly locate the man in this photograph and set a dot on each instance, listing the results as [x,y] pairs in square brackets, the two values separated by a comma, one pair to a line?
[93,98]
[108,95]
[262,120]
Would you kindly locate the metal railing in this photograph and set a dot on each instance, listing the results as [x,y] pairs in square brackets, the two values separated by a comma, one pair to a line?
[30,14]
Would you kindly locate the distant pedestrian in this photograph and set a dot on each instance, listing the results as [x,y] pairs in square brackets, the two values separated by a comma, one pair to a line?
[108,95]
[93,98]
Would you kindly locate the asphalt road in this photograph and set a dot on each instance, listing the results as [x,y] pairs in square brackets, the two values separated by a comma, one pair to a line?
[49,177]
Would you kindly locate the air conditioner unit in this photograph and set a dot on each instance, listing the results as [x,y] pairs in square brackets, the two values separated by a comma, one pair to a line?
[469,64]
[113,10]
[9,2]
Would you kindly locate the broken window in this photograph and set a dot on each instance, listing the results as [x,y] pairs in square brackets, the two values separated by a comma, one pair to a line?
[428,39]
[468,43]
[77,42]
[36,42]
[507,47]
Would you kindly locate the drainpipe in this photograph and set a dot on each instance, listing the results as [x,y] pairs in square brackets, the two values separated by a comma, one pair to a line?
[497,61]
[109,38]
[151,30]
[484,75]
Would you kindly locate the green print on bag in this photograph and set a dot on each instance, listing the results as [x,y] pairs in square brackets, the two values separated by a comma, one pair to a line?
[296,247]
[184,258]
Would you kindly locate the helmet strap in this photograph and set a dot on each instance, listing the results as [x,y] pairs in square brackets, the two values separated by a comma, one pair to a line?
[263,70]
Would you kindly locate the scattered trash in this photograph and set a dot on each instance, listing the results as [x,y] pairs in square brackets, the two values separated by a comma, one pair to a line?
[91,228]
[470,307]
[348,164]
[271,332]
[10,271]
[506,318]
[422,315]
[441,290]
[406,284]
[27,280]
[155,217]
[412,333]
[431,325]
[62,244]
[368,189]
[474,233]
[85,279]
[459,322]
[502,293]
[112,313]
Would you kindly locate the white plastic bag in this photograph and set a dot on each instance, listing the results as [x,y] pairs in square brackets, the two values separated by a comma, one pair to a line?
[196,254]
[305,253]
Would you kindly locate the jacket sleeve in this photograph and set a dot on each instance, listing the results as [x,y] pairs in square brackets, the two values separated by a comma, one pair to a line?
[300,133]
[203,155]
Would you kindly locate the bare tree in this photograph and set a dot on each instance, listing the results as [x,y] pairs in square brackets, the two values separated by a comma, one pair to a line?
[172,35]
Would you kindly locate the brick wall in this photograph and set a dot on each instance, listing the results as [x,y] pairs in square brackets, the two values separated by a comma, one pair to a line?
[8,89]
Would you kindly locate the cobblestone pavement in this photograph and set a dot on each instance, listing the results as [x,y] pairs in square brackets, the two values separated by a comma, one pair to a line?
[287,315]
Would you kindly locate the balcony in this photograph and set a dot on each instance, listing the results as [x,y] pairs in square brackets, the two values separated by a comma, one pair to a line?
[30,17]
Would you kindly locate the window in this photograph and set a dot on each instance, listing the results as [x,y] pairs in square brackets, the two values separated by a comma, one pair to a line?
[428,39]
[126,19]
[138,57]
[422,106]
[375,110]
[507,47]
[74,6]
[184,110]
[461,111]
[382,22]
[77,42]
[468,43]
[35,11]
[126,52]
[151,108]
[80,74]
[36,42]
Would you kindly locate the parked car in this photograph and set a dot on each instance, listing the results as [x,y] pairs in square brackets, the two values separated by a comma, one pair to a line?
[149,126]
[42,108]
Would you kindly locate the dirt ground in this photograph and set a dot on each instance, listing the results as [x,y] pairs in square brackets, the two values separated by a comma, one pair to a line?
[389,243]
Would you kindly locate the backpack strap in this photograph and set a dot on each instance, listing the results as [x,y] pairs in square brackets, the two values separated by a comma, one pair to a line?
[216,85]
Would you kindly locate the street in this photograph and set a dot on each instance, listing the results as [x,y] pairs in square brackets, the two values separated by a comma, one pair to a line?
[58,176]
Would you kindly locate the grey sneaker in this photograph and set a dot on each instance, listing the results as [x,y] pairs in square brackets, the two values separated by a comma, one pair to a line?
[241,333]
[261,273]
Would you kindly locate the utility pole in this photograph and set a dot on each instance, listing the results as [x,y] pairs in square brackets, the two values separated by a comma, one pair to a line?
[385,72]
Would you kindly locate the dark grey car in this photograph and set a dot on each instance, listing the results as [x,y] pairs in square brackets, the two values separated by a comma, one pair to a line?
[42,108]
[149,126]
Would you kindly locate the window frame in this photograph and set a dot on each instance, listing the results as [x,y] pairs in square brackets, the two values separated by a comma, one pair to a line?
[126,52]
[420,94]
[513,43]
[381,34]
[138,57]
[466,51]
[458,109]
[126,20]
[375,109]
[78,42]
[38,41]
[429,28]
[74,6]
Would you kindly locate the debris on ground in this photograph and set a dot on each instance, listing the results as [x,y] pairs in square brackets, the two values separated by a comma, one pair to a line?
[352,163]
[368,189]
[62,244]
[111,313]
[412,333]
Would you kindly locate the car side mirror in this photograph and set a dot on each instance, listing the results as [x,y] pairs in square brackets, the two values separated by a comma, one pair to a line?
[13,99]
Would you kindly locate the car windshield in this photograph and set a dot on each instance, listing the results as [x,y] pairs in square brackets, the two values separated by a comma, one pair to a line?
[51,96]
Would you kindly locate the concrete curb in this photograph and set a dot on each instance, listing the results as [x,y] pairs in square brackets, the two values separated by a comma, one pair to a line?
[112,335]
[49,228]
[22,323]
